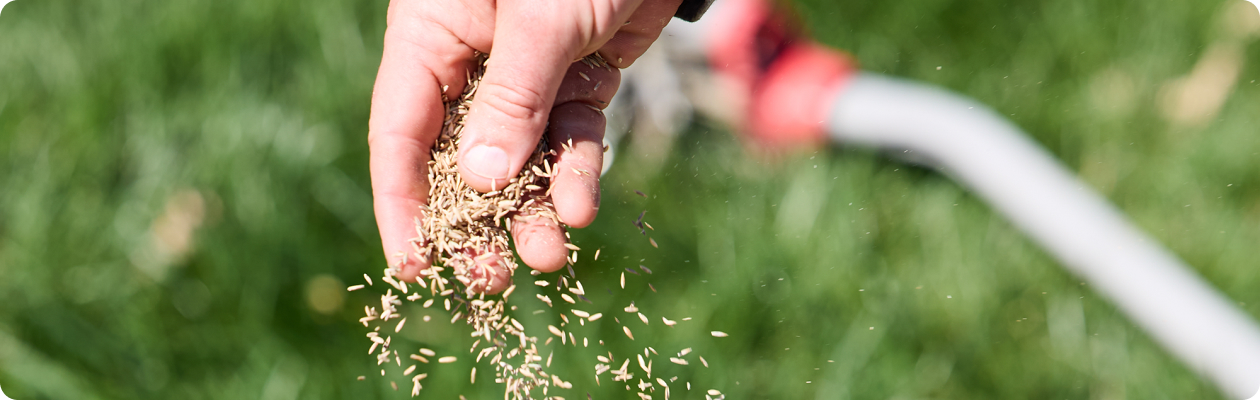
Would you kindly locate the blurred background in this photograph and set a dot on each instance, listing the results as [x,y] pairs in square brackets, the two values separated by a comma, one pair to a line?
[184,196]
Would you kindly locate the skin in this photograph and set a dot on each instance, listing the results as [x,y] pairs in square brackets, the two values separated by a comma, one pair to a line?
[531,81]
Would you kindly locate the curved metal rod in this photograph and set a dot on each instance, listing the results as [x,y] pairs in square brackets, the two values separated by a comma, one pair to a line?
[1080,228]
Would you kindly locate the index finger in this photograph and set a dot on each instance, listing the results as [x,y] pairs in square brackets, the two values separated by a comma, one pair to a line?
[406,118]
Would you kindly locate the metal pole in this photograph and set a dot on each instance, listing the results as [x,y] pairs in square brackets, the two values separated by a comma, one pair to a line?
[1080,228]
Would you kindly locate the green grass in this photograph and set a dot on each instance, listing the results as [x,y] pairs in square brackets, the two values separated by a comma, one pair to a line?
[109,110]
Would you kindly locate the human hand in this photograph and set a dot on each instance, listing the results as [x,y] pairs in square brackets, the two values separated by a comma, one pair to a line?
[530,81]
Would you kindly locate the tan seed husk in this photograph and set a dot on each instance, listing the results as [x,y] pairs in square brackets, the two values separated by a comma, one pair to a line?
[458,223]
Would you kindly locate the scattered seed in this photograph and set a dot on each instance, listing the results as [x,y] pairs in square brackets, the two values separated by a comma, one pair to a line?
[653,242]
[702,361]
[718,334]
[678,361]
[459,221]
[427,352]
[639,223]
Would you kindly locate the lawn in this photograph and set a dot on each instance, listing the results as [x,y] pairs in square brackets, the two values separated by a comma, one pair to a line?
[184,194]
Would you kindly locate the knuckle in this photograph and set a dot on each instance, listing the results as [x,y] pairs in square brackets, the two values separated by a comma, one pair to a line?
[375,135]
[377,140]
[399,10]
[515,101]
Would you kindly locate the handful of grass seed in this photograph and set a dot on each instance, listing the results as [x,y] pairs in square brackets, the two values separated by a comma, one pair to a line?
[460,223]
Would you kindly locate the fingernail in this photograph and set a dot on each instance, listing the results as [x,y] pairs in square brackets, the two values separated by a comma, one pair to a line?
[488,162]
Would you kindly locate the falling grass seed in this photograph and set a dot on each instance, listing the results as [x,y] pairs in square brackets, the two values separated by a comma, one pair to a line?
[457,222]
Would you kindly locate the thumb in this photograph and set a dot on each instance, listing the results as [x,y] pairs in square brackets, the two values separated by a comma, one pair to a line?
[530,55]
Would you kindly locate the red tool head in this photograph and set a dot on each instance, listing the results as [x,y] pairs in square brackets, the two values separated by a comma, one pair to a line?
[788,80]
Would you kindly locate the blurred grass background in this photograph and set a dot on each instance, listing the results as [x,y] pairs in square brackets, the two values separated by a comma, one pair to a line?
[185,195]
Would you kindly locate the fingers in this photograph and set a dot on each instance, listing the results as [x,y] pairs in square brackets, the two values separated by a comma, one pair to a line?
[510,110]
[489,274]
[539,240]
[405,120]
[577,132]
[406,115]
[594,86]
[534,43]
[642,28]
